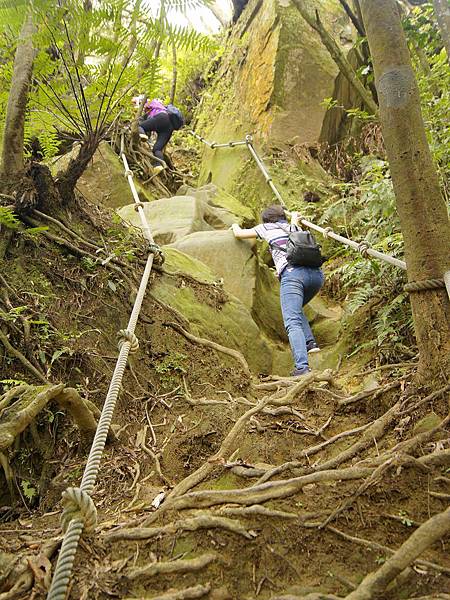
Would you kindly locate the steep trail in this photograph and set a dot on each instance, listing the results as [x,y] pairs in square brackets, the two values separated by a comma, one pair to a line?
[285,392]
[231,487]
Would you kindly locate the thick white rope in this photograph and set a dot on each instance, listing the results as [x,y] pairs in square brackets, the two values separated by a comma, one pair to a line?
[79,510]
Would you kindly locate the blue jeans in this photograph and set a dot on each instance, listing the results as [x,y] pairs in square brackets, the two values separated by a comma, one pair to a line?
[298,286]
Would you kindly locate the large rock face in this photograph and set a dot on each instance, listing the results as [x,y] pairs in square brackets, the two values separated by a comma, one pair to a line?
[228,322]
[232,260]
[273,78]
[194,229]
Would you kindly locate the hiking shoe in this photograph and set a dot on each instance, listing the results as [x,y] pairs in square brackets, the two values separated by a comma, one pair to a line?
[157,170]
[312,347]
[299,372]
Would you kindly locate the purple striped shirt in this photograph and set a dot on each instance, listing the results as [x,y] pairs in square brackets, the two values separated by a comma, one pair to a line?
[276,234]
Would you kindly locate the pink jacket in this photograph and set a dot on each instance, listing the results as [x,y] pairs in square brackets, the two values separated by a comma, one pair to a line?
[154,107]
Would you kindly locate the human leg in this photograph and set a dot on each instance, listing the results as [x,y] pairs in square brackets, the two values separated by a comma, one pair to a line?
[162,125]
[291,297]
[313,281]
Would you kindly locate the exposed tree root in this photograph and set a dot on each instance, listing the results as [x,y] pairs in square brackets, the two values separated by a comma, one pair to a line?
[175,566]
[312,596]
[203,521]
[376,393]
[209,344]
[427,534]
[385,549]
[372,432]
[18,416]
[21,576]
[198,591]
[266,491]
[31,400]
[26,363]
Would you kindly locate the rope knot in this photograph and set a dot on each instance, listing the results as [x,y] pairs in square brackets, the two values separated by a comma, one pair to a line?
[128,173]
[127,336]
[78,505]
[249,138]
[213,145]
[138,205]
[363,247]
[157,252]
[327,231]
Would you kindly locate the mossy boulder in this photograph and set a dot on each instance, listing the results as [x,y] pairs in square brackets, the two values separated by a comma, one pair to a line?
[230,259]
[230,324]
[103,181]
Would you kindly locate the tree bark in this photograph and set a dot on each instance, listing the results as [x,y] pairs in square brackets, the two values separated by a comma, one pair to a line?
[12,163]
[353,18]
[132,45]
[338,57]
[420,204]
[173,87]
[442,13]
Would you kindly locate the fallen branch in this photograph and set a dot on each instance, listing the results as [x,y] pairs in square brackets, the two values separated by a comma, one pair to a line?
[209,344]
[175,566]
[193,524]
[198,591]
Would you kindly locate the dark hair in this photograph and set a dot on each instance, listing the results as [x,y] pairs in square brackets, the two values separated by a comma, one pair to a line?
[273,214]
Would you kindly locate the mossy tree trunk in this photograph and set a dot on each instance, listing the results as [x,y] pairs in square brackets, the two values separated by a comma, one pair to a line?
[420,204]
[442,13]
[12,163]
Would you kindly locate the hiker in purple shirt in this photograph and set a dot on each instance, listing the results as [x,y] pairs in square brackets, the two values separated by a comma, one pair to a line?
[164,120]
[298,284]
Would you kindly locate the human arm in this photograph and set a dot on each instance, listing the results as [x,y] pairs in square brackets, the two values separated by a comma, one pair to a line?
[295,218]
[243,234]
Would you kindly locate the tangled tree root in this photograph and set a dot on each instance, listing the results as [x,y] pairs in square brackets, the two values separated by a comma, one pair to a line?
[198,591]
[199,522]
[174,566]
[21,405]
[427,534]
[21,574]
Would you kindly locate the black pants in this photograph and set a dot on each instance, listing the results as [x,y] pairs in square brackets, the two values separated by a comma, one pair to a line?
[162,124]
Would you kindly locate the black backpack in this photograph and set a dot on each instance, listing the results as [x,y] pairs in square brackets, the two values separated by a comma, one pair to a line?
[302,250]
[176,116]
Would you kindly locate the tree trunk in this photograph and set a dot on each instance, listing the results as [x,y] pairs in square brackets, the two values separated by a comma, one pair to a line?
[338,57]
[12,154]
[132,45]
[420,205]
[353,18]
[442,13]
[173,88]
[68,179]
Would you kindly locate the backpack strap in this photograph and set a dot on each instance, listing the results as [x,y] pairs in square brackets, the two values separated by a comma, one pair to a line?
[288,230]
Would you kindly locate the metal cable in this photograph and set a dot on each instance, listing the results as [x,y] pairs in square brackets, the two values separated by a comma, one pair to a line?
[362,247]
[79,510]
